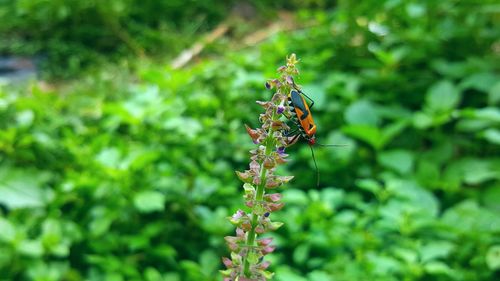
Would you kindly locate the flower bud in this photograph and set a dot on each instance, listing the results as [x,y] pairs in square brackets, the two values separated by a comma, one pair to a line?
[284,179]
[259,229]
[264,265]
[254,166]
[269,163]
[268,249]
[246,226]
[254,134]
[275,206]
[227,262]
[264,241]
[244,177]
[271,183]
[273,197]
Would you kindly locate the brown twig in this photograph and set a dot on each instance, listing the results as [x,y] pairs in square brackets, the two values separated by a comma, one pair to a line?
[188,54]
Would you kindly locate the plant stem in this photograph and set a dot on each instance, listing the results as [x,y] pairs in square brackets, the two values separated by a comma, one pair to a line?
[258,198]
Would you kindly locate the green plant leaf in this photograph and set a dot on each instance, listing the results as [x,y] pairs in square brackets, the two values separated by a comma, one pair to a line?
[397,160]
[362,112]
[442,97]
[149,201]
[493,257]
[23,188]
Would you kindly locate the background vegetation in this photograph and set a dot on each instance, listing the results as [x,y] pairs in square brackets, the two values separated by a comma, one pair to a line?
[126,172]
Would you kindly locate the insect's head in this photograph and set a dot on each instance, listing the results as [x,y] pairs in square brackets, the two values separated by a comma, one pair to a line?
[312,140]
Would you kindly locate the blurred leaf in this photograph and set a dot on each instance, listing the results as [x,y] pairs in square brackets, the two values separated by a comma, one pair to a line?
[149,201]
[437,267]
[397,160]
[471,216]
[442,97]
[286,274]
[301,253]
[493,257]
[480,81]
[209,262]
[293,196]
[317,93]
[319,276]
[383,264]
[435,250]
[152,274]
[368,134]
[23,188]
[492,135]
[491,197]
[31,248]
[369,185]
[8,232]
[494,94]
[362,112]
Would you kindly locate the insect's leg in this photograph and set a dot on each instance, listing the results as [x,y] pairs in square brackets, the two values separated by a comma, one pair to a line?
[290,133]
[292,140]
[311,100]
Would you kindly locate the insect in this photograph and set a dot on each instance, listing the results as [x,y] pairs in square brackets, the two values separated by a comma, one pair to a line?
[302,117]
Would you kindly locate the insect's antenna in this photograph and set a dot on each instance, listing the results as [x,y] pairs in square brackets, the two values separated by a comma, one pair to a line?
[315,165]
[332,145]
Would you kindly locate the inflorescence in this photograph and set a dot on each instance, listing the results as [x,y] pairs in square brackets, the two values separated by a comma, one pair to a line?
[247,252]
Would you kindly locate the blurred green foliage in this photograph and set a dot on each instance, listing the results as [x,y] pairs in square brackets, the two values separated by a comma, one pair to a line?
[68,36]
[130,175]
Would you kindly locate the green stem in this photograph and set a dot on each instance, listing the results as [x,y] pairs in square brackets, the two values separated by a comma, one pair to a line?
[258,198]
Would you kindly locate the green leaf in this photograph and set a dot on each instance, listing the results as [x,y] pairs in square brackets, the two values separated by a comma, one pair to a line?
[362,112]
[392,130]
[374,136]
[471,216]
[171,276]
[442,97]
[400,161]
[480,81]
[435,250]
[23,188]
[384,264]
[422,120]
[209,262]
[437,267]
[317,93]
[318,275]
[408,255]
[31,248]
[286,274]
[149,201]
[491,114]
[494,94]
[366,133]
[492,135]
[295,196]
[151,274]
[7,231]
[490,197]
[369,185]
[493,257]
[301,253]
[109,157]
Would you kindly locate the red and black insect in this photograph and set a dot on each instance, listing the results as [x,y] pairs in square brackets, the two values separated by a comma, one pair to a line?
[303,119]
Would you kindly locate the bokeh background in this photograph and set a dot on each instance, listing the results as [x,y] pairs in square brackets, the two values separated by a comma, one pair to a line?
[121,126]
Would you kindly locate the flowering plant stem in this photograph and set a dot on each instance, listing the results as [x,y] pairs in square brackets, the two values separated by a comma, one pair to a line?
[258,198]
[247,252]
